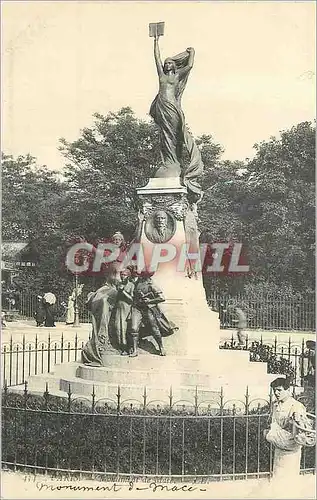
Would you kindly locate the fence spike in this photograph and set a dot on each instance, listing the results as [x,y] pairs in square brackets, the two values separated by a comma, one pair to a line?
[144,397]
[69,397]
[170,397]
[275,344]
[221,399]
[119,399]
[271,399]
[46,395]
[93,395]
[247,399]
[196,400]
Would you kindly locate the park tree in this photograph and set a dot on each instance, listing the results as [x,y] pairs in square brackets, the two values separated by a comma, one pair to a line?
[266,203]
[32,211]
[105,165]
[279,208]
[103,168]
[30,198]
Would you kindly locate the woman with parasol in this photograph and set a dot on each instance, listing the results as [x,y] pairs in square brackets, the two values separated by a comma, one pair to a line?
[49,300]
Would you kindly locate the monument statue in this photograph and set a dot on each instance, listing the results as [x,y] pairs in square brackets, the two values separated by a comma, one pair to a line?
[101,305]
[127,307]
[122,311]
[146,310]
[167,113]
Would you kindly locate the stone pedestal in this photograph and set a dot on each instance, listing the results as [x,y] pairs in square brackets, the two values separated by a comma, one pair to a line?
[185,305]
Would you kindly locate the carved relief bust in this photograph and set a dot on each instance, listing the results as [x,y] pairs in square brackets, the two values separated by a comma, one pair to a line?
[160,227]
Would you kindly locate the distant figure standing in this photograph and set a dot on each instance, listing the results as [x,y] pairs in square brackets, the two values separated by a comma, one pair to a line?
[49,300]
[3,319]
[40,311]
[241,320]
[70,315]
[223,315]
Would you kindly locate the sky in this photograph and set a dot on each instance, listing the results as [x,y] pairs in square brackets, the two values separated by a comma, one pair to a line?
[254,72]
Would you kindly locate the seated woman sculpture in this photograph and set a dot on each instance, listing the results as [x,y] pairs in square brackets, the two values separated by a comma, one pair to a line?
[101,305]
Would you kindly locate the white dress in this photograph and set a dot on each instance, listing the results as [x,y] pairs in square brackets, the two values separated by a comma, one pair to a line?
[287,452]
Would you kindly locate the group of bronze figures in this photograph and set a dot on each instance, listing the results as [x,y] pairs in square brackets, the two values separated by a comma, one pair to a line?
[125,311]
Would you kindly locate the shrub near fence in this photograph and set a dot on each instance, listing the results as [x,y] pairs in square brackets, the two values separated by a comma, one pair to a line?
[117,438]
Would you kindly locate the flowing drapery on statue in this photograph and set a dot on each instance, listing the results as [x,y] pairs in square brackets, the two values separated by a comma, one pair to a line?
[168,115]
[101,305]
[122,311]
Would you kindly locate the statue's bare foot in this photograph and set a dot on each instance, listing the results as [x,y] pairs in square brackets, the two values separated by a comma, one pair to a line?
[162,352]
[124,353]
[133,354]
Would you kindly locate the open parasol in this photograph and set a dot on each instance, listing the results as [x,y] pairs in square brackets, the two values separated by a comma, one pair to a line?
[49,298]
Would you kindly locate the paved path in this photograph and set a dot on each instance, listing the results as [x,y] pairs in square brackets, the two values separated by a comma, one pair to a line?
[18,328]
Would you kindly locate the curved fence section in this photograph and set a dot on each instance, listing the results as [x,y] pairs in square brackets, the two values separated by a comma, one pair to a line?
[116,438]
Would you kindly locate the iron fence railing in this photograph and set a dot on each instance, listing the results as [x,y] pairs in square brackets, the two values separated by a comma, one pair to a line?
[20,360]
[25,307]
[294,359]
[27,357]
[263,312]
[138,439]
[267,312]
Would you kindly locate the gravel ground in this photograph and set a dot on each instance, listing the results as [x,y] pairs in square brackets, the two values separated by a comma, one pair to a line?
[18,328]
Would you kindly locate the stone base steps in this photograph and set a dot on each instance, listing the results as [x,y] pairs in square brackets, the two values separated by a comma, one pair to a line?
[160,376]
[134,394]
